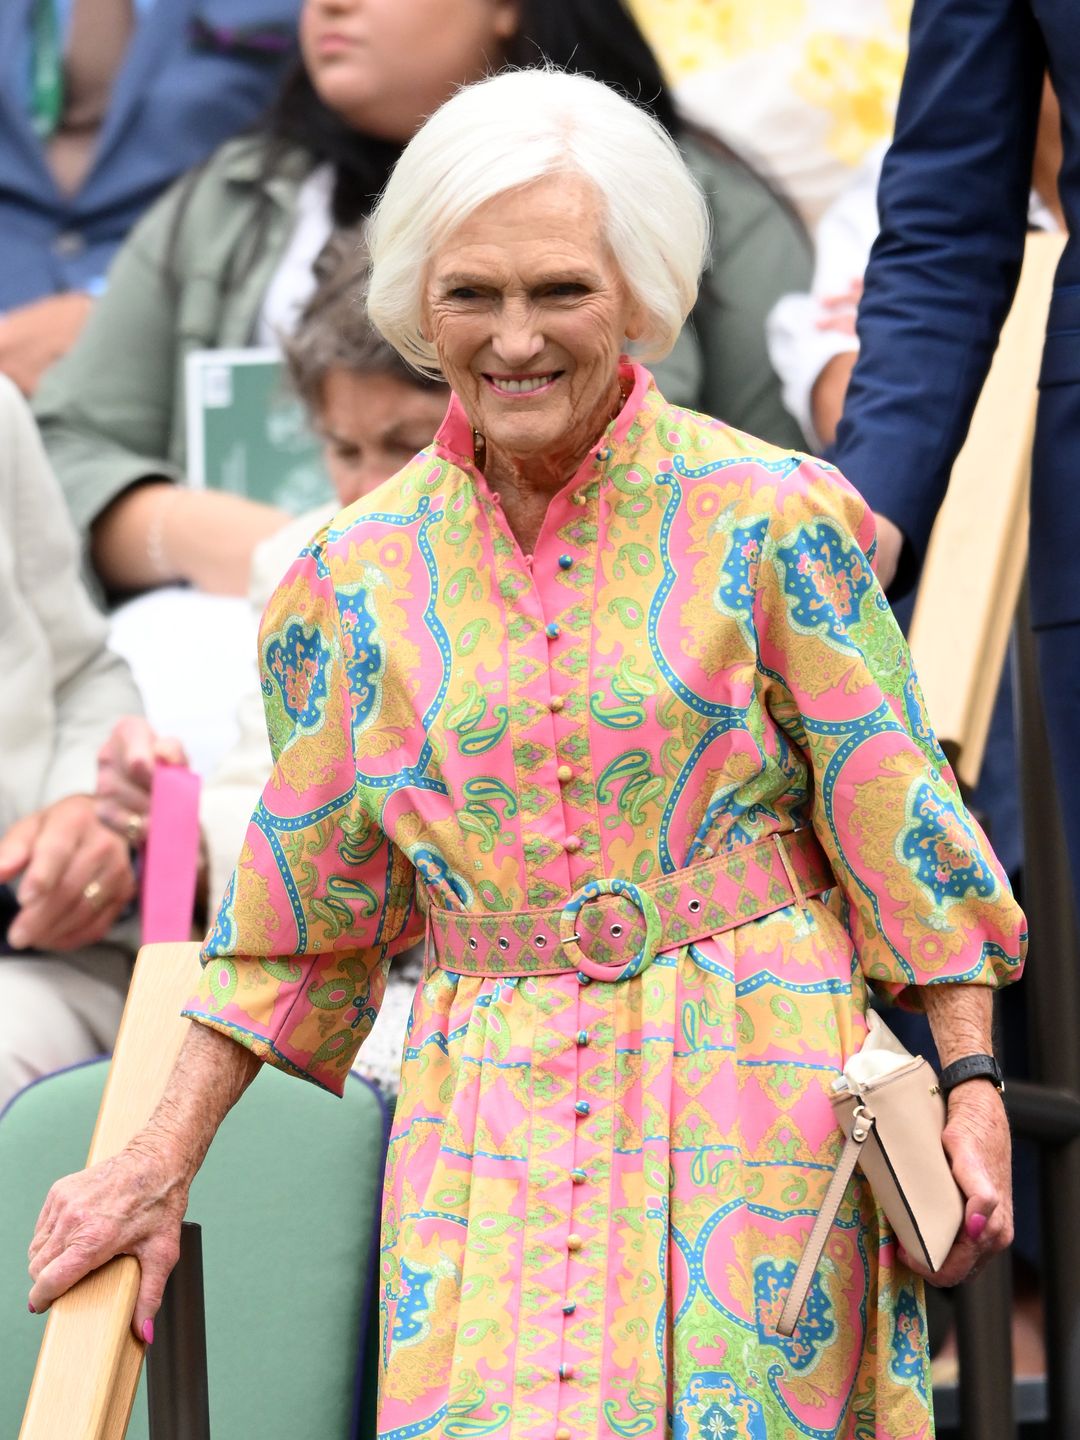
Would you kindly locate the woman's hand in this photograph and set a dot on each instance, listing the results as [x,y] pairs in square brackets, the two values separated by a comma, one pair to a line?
[125,769]
[76,876]
[131,1204]
[977,1142]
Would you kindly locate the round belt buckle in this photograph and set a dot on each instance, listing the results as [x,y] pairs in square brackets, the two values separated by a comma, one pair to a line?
[596,969]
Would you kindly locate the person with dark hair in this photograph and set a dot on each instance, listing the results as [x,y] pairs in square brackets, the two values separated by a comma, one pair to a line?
[225,260]
[102,105]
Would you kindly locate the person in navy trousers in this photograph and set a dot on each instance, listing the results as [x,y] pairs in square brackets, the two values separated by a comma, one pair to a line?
[954,202]
[102,104]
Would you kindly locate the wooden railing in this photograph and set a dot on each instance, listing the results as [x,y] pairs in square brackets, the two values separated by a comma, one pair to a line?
[89,1363]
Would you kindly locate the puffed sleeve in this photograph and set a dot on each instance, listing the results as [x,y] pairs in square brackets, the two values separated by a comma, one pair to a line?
[927,902]
[295,964]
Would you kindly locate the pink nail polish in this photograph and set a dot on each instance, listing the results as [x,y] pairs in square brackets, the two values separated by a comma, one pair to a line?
[148,1331]
[976,1225]
[30,1308]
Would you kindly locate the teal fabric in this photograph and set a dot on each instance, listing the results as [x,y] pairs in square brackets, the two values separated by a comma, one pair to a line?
[289,1203]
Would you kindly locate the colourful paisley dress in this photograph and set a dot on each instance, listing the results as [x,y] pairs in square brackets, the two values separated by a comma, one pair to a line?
[597,1193]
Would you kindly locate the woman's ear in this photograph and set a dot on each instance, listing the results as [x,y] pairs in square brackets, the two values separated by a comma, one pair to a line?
[637,320]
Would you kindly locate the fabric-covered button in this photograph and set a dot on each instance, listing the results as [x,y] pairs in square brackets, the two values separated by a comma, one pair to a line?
[579,497]
[572,844]
[573,1241]
[563,774]
[582,1107]
[551,631]
[565,561]
[556,703]
[563,1433]
[578,1177]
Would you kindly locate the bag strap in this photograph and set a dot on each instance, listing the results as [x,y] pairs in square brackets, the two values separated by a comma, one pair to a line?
[863,1124]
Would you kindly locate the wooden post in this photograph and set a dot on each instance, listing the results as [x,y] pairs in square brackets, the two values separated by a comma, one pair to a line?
[88,1366]
[978,552]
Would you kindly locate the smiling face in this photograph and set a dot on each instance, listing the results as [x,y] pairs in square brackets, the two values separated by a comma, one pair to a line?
[529,313]
[385,65]
[372,425]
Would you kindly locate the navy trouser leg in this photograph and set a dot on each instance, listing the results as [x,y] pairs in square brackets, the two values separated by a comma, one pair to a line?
[1059,668]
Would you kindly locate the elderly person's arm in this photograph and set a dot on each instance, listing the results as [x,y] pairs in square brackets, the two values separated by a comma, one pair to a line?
[926,904]
[133,1203]
[297,985]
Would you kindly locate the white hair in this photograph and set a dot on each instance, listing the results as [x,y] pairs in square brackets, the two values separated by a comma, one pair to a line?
[509,131]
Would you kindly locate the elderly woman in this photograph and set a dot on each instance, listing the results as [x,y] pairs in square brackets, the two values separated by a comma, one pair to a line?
[603,697]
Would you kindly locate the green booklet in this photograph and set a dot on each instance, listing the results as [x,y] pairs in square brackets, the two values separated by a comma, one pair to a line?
[247,432]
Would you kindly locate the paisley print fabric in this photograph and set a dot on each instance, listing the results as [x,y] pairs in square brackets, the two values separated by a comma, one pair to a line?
[598,1192]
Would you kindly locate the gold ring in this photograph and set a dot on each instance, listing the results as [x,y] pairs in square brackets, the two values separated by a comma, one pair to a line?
[133,828]
[92,892]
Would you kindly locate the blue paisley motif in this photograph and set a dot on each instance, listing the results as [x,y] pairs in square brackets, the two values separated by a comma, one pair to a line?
[826,579]
[907,1348]
[816,1327]
[940,849]
[712,1407]
[295,666]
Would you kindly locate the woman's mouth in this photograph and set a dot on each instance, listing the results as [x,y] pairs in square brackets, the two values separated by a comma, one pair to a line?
[521,384]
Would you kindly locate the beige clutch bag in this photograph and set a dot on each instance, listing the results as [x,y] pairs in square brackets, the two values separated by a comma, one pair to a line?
[892,1113]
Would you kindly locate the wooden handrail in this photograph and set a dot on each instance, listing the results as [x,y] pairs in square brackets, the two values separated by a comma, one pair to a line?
[89,1362]
[978,551]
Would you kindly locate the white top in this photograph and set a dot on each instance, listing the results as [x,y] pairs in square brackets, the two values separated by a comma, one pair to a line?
[798,348]
[294,279]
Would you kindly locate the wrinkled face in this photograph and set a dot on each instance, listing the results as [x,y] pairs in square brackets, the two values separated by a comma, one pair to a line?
[385,65]
[529,313]
[372,425]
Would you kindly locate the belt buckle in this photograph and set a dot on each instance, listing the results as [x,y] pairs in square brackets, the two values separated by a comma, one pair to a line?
[569,937]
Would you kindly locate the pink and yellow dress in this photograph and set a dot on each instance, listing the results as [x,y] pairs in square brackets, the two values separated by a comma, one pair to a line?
[598,1189]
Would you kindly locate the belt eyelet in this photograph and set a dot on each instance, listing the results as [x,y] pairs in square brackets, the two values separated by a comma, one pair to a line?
[503,943]
[693,906]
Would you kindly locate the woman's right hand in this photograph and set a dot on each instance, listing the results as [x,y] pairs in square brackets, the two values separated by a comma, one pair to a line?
[131,1204]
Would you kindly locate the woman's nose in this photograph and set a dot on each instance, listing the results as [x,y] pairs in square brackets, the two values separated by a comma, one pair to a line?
[517,338]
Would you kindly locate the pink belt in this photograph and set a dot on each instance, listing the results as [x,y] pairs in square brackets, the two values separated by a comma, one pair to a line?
[605,919]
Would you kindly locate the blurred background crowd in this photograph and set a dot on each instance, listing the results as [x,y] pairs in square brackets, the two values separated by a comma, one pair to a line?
[183,190]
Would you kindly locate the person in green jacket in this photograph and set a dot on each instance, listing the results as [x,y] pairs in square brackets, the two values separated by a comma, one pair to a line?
[224,259]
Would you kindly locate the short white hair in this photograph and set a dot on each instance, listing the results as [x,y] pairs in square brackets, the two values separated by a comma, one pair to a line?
[513,129]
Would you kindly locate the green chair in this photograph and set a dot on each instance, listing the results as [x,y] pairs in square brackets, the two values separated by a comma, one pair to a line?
[288,1201]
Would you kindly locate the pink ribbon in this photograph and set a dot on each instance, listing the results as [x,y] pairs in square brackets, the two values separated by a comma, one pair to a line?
[171,859]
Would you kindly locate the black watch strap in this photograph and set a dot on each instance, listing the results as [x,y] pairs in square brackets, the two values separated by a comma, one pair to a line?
[971,1067]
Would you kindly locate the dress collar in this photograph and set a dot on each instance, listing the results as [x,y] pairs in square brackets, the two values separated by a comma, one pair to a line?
[454,437]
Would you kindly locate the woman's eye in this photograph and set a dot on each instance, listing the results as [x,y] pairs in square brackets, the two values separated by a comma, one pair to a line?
[566,289]
[464,292]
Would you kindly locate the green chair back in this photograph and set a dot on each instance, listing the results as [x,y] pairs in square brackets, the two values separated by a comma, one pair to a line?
[288,1201]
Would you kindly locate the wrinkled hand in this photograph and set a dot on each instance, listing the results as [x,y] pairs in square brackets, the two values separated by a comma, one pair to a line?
[977,1142]
[76,876]
[125,768]
[130,1205]
[890,542]
[33,336]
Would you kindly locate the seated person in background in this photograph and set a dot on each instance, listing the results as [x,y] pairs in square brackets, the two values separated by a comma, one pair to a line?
[65,878]
[225,260]
[811,336]
[103,104]
[374,413]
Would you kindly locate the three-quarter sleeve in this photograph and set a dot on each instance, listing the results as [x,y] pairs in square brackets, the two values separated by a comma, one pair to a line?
[295,963]
[927,902]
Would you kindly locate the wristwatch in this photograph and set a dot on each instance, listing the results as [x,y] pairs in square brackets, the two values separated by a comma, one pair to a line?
[972,1067]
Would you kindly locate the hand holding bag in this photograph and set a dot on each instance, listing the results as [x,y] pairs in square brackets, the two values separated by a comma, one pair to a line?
[892,1113]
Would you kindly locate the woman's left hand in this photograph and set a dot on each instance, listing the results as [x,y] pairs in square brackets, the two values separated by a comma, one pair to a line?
[125,770]
[977,1142]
